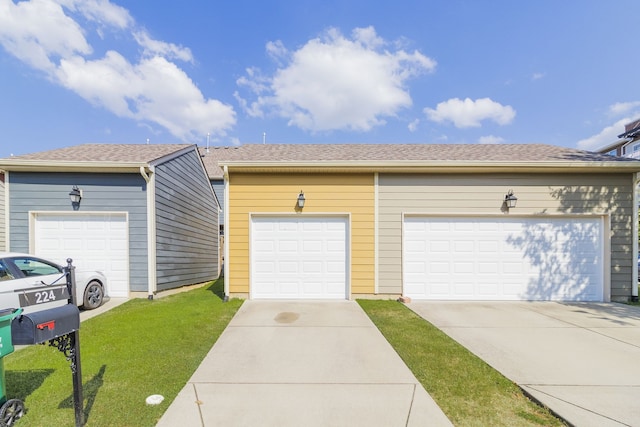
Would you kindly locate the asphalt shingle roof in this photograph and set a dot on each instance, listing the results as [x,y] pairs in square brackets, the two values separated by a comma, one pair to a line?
[451,153]
[138,153]
[290,154]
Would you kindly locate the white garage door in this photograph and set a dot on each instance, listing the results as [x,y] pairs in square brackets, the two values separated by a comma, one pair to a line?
[92,241]
[503,259]
[299,258]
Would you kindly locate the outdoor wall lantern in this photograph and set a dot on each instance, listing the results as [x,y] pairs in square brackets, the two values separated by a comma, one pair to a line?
[75,195]
[301,200]
[510,199]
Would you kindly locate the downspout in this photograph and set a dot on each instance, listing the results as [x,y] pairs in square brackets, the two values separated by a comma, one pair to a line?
[634,228]
[7,228]
[149,178]
[376,271]
[225,170]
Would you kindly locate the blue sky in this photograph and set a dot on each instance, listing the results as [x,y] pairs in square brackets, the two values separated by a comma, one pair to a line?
[347,71]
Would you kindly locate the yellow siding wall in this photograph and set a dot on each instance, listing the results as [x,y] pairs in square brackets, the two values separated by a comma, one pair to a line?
[278,193]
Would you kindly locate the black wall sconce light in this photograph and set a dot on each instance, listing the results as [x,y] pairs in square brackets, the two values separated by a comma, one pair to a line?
[75,195]
[301,200]
[510,199]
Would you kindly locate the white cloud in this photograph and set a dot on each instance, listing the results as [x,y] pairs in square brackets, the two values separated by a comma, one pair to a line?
[100,11]
[154,90]
[37,32]
[537,76]
[277,51]
[335,82]
[468,113]
[156,47]
[607,136]
[623,108]
[413,126]
[50,36]
[490,139]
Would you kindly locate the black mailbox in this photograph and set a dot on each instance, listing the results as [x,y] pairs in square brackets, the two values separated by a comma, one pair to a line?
[42,326]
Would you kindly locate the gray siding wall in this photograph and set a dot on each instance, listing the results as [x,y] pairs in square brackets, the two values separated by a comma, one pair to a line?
[218,188]
[186,223]
[30,191]
[2,214]
[537,194]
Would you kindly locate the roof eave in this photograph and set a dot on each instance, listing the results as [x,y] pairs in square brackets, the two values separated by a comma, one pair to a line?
[614,145]
[77,166]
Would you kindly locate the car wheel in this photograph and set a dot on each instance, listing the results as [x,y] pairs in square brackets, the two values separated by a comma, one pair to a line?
[93,296]
[11,411]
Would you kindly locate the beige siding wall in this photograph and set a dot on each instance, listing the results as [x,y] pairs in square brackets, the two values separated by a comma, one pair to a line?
[551,194]
[351,194]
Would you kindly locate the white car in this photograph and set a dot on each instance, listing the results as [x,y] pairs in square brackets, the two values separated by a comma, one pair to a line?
[36,284]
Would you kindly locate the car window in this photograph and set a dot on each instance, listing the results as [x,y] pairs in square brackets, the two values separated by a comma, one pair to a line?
[35,267]
[5,274]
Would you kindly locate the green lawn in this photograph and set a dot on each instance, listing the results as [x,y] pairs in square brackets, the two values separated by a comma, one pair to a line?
[152,347]
[128,353]
[469,391]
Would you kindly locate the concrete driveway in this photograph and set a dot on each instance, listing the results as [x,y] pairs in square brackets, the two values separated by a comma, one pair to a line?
[286,363]
[582,360]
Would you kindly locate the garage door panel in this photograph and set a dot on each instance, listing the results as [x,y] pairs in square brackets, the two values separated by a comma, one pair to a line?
[462,227]
[488,268]
[512,268]
[336,287]
[286,268]
[416,246]
[487,288]
[440,287]
[488,248]
[309,258]
[336,267]
[511,259]
[263,226]
[336,247]
[118,245]
[288,246]
[464,246]
[264,267]
[312,247]
[489,226]
[312,288]
[311,268]
[95,245]
[263,246]
[75,225]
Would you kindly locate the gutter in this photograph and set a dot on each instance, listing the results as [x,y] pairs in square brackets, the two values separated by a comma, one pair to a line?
[225,174]
[412,166]
[76,166]
[148,174]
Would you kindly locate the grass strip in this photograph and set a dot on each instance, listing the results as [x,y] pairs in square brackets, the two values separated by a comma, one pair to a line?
[135,350]
[468,390]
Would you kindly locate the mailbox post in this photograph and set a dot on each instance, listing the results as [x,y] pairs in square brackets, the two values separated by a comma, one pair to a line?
[74,354]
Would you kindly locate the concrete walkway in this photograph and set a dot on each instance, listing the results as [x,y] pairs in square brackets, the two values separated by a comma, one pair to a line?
[580,360]
[106,306]
[302,364]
